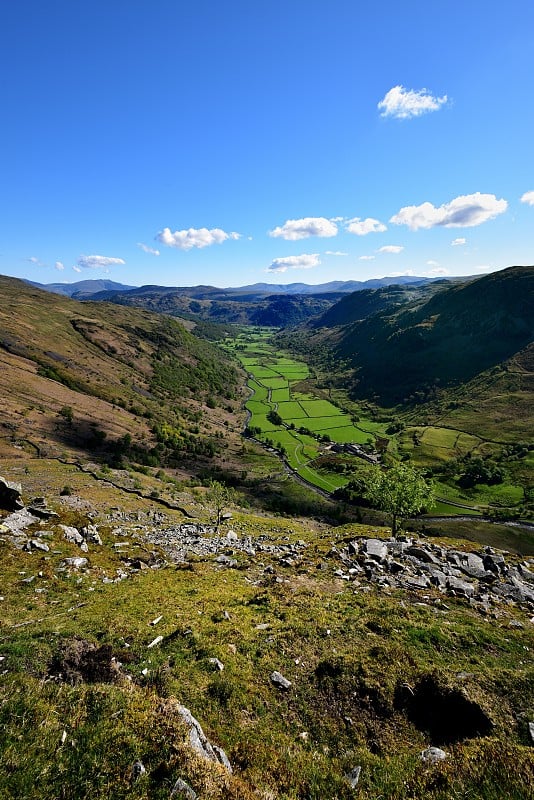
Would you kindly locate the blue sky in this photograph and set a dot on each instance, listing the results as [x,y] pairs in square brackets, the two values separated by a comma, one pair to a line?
[231,142]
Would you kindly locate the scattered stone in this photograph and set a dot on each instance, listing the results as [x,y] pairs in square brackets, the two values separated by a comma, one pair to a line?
[182,789]
[353,777]
[138,769]
[200,742]
[433,755]
[36,544]
[278,679]
[91,535]
[376,549]
[216,664]
[39,507]
[155,621]
[19,521]
[74,536]
[76,562]
[155,642]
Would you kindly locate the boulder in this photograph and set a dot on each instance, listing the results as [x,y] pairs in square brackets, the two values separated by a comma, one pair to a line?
[433,755]
[10,495]
[278,679]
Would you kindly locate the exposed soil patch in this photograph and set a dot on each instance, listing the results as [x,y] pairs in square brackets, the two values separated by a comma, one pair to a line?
[82,661]
[445,713]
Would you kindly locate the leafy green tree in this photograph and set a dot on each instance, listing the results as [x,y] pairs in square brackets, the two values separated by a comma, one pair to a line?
[217,499]
[402,491]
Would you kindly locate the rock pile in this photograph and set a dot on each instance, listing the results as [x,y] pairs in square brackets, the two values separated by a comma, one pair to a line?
[485,579]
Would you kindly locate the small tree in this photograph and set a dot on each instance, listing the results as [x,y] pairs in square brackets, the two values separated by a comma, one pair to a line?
[402,491]
[218,498]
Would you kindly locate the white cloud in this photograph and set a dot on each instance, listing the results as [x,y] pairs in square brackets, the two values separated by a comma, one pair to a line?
[391,248]
[335,253]
[77,269]
[361,227]
[98,262]
[432,263]
[194,237]
[403,103]
[528,198]
[36,261]
[305,261]
[294,229]
[59,265]
[146,249]
[465,211]
[366,258]
[407,272]
[460,240]
[435,273]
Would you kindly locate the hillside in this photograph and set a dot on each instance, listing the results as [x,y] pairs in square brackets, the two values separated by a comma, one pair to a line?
[462,330]
[98,378]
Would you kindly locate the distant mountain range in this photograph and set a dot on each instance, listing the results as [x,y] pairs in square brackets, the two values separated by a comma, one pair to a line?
[275,305]
[91,288]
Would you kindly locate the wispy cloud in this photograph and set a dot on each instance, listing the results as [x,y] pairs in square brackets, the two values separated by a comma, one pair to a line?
[391,248]
[36,261]
[437,272]
[366,258]
[465,211]
[305,261]
[59,265]
[432,263]
[146,249]
[335,253]
[402,103]
[77,269]
[98,262]
[528,198]
[194,237]
[361,227]
[459,241]
[294,229]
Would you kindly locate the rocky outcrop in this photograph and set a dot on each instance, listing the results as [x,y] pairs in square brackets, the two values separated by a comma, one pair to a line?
[485,579]
[10,495]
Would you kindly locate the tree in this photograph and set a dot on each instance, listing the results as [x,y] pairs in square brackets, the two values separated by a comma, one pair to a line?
[402,491]
[217,498]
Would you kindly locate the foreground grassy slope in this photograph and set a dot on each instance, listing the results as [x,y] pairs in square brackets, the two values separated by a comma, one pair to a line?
[346,648]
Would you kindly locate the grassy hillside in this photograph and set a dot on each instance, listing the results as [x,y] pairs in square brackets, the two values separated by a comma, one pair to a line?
[97,378]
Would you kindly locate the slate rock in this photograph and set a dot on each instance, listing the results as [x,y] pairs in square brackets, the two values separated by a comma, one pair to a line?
[181,789]
[376,549]
[77,562]
[433,755]
[10,495]
[278,679]
[460,587]
[353,776]
[200,742]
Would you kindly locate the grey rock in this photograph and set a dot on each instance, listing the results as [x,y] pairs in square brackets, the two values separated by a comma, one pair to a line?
[460,587]
[376,549]
[278,679]
[433,755]
[531,731]
[91,535]
[37,544]
[182,789]
[216,664]
[200,742]
[77,562]
[19,521]
[422,554]
[74,536]
[10,495]
[137,769]
[353,777]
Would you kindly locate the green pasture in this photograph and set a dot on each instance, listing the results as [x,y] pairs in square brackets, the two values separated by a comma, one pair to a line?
[257,407]
[347,435]
[262,372]
[291,411]
[280,395]
[320,408]
[260,392]
[322,424]
[274,383]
